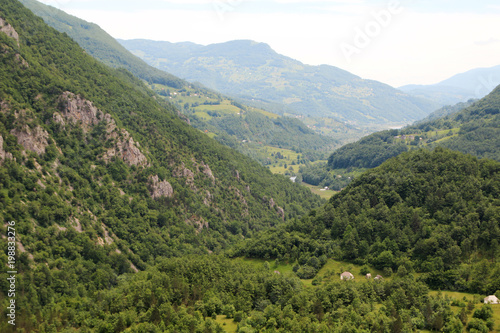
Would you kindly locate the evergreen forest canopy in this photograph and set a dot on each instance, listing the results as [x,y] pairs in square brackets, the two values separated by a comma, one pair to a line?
[129,220]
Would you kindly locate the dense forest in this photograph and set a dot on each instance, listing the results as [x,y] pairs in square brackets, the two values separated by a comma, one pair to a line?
[470,127]
[129,220]
[101,175]
[101,45]
[476,124]
[433,212]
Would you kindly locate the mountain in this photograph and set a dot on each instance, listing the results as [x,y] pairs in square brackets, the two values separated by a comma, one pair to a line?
[117,214]
[475,83]
[100,44]
[474,130]
[230,122]
[420,211]
[256,74]
[446,110]
[102,177]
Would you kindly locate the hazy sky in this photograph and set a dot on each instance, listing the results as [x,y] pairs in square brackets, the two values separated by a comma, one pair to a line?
[394,41]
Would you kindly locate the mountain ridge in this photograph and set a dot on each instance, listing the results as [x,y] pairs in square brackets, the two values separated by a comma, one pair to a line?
[269,78]
[475,83]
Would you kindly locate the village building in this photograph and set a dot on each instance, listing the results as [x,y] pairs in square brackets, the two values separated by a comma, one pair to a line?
[492,299]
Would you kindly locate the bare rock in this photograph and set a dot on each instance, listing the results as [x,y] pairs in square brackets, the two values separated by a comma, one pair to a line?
[198,222]
[272,203]
[281,213]
[208,199]
[183,172]
[159,189]
[78,110]
[207,172]
[3,154]
[9,30]
[22,61]
[32,139]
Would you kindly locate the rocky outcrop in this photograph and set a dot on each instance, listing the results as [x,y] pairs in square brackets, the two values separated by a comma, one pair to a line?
[208,199]
[127,150]
[279,210]
[79,111]
[3,154]
[271,203]
[183,172]
[32,139]
[281,213]
[198,222]
[207,172]
[159,189]
[242,199]
[9,30]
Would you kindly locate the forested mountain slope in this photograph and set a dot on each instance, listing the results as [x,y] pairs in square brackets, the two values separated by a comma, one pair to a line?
[228,121]
[435,212]
[101,45]
[256,74]
[102,177]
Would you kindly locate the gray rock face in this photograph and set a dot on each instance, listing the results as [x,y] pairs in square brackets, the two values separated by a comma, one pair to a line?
[3,154]
[159,189]
[9,30]
[32,139]
[79,111]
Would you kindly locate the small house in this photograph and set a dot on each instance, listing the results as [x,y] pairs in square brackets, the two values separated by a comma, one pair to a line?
[368,276]
[346,276]
[378,277]
[492,299]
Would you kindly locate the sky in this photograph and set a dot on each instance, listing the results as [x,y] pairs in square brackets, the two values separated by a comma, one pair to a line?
[397,42]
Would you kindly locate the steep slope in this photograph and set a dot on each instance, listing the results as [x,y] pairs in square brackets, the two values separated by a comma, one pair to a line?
[100,44]
[475,83]
[207,103]
[89,153]
[446,111]
[256,74]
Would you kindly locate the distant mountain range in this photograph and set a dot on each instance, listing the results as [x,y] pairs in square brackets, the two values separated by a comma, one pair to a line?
[475,83]
[207,110]
[256,74]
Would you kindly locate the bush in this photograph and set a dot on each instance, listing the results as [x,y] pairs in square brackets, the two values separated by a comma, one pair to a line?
[306,272]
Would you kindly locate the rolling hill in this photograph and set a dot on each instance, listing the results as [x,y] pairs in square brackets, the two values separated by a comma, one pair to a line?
[254,73]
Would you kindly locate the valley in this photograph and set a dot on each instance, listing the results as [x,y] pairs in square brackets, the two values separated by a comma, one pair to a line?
[143,202]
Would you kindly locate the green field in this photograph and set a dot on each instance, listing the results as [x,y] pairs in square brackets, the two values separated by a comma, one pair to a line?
[325,194]
[227,324]
[331,271]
